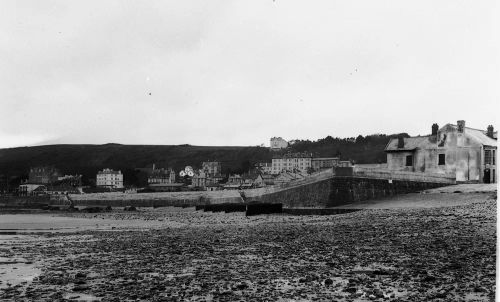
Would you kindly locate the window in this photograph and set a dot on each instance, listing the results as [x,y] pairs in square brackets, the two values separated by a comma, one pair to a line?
[441,160]
[487,157]
[493,159]
[409,160]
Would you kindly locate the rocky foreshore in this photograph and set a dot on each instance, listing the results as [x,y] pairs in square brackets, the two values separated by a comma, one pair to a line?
[428,254]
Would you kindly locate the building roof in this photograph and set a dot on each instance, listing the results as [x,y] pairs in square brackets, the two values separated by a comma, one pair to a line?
[294,155]
[161,172]
[251,176]
[109,171]
[410,143]
[267,176]
[232,186]
[40,189]
[478,135]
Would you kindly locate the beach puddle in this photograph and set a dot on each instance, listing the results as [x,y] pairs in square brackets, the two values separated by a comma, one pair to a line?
[476,297]
[16,271]
[81,297]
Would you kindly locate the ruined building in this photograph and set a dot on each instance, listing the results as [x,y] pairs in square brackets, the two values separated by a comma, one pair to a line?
[454,151]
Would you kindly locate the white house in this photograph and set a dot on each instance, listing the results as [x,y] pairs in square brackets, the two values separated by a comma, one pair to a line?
[109,178]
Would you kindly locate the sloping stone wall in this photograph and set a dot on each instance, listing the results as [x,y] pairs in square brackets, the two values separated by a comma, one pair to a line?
[341,190]
[335,191]
[309,195]
[353,189]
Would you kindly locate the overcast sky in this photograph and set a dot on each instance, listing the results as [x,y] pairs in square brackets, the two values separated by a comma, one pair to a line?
[239,72]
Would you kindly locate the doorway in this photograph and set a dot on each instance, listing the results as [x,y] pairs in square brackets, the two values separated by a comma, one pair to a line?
[487,177]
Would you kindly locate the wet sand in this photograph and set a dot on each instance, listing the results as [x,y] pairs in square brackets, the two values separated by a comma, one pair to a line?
[60,222]
[433,253]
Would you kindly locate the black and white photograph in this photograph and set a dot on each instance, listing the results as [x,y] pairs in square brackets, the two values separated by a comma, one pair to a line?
[230,150]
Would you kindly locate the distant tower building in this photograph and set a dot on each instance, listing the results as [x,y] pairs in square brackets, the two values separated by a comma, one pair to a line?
[172,176]
[278,143]
[109,178]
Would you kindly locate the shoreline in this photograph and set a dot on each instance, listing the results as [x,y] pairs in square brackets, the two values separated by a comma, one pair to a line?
[390,254]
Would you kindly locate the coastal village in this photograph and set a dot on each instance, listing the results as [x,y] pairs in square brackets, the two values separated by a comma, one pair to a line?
[249,151]
[454,152]
[419,227]
[282,169]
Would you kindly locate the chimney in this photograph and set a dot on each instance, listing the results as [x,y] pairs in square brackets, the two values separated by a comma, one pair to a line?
[435,129]
[489,132]
[461,126]
[401,142]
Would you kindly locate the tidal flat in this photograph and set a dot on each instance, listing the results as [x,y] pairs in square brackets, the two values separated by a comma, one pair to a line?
[442,253]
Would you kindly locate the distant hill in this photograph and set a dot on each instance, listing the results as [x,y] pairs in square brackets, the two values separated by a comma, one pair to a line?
[88,159]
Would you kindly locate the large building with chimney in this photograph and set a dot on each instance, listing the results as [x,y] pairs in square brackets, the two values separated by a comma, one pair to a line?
[455,151]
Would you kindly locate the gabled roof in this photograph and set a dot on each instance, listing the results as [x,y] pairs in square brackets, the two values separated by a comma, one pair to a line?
[476,134]
[251,176]
[410,143]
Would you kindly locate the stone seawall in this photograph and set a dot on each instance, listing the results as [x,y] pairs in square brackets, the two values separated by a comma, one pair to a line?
[335,191]
[341,190]
[354,189]
[152,199]
[313,195]
[23,200]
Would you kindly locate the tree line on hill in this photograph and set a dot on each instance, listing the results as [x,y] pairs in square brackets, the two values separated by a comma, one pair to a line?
[361,149]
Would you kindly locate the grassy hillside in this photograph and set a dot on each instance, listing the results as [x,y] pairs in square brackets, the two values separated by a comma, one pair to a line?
[88,159]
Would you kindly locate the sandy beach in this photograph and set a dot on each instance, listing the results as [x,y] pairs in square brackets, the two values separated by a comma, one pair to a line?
[438,246]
